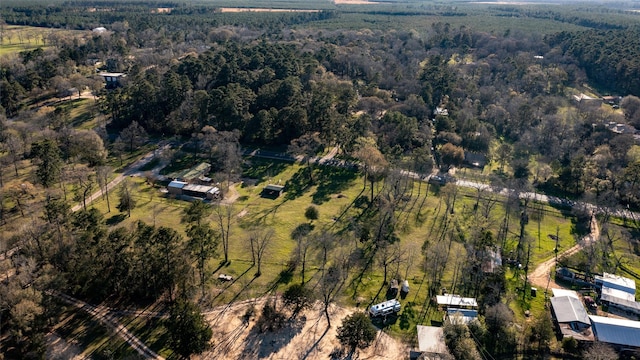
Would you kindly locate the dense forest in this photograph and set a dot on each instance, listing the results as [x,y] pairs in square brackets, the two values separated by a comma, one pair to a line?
[391,101]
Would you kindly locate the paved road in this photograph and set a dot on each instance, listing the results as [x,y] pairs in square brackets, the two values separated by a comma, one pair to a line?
[553,200]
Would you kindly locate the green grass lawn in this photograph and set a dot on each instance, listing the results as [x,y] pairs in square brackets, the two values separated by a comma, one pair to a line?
[334,194]
[20,38]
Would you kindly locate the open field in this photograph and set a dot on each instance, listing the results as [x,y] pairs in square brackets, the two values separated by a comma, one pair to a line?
[19,38]
[335,205]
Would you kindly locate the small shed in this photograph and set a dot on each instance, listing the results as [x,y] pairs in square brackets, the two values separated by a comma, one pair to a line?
[112,80]
[431,343]
[272,191]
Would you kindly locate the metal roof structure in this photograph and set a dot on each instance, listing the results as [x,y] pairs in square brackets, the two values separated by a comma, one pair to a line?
[274,187]
[203,189]
[616,282]
[569,309]
[177,184]
[192,173]
[616,331]
[615,293]
[465,315]
[564,292]
[431,340]
[456,301]
[620,299]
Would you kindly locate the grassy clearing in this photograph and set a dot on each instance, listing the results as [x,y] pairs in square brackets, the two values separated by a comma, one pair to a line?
[20,38]
[334,194]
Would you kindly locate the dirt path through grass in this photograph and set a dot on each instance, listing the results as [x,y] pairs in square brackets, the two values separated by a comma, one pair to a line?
[104,316]
[541,275]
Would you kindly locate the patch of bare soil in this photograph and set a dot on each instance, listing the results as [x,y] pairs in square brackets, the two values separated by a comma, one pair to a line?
[231,196]
[242,213]
[60,349]
[235,336]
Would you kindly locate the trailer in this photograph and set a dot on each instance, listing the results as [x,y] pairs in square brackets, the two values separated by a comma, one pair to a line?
[385,308]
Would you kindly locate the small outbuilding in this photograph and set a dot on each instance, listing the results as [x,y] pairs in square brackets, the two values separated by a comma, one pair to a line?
[431,344]
[112,80]
[272,191]
[175,187]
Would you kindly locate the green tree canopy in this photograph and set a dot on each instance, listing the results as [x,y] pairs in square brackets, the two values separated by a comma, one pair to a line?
[48,156]
[356,331]
[190,333]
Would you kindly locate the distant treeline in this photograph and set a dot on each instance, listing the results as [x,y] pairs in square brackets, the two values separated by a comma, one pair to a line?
[610,58]
[140,16]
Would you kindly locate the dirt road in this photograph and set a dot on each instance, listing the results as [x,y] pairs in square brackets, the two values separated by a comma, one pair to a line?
[104,316]
[541,276]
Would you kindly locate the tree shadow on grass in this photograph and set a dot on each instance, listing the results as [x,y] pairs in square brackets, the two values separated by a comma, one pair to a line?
[332,180]
[297,185]
[263,344]
[236,279]
[116,219]
[407,317]
[260,169]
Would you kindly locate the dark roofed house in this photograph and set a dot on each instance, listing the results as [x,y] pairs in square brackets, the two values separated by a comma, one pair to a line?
[272,191]
[112,80]
[475,159]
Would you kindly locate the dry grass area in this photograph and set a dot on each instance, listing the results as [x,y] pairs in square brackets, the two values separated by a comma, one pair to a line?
[235,336]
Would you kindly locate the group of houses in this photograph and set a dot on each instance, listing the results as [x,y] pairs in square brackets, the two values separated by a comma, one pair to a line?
[458,310]
[193,183]
[618,294]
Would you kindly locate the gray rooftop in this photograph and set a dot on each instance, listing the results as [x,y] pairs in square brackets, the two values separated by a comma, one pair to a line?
[569,309]
[616,331]
[617,282]
[431,340]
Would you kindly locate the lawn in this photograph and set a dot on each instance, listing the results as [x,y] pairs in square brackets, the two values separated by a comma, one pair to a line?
[334,193]
[20,38]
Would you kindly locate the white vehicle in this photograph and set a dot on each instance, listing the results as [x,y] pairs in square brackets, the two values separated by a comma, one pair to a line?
[385,308]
